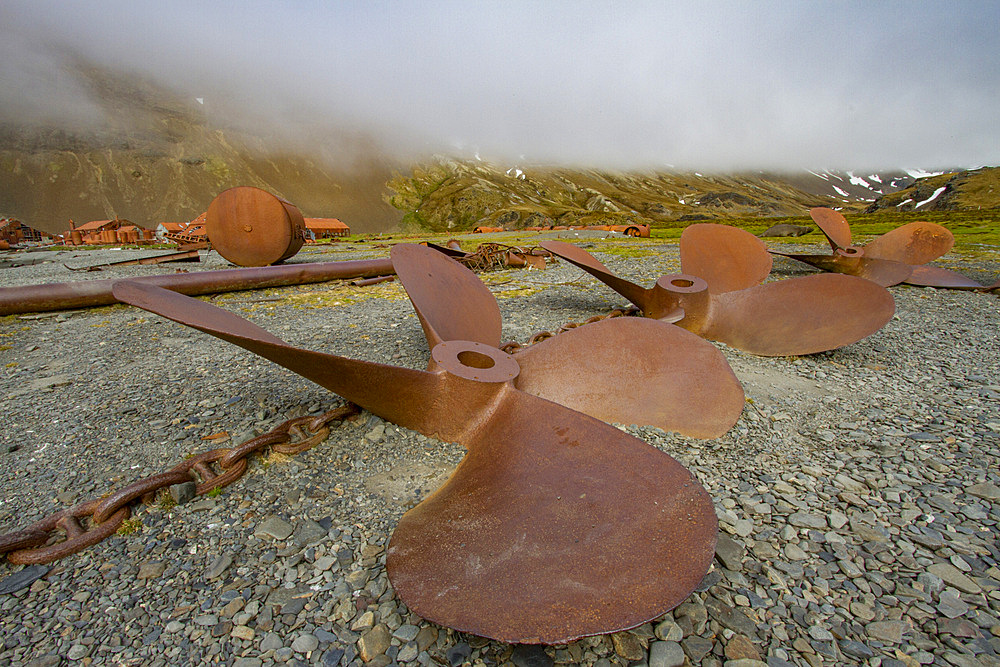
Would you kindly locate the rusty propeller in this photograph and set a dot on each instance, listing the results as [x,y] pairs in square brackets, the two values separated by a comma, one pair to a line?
[719,296]
[898,256]
[554,526]
[627,370]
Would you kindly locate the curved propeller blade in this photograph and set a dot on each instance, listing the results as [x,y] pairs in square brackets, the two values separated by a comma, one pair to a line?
[833,225]
[913,243]
[882,272]
[800,315]
[401,395]
[584,260]
[727,258]
[555,526]
[934,276]
[451,302]
[633,370]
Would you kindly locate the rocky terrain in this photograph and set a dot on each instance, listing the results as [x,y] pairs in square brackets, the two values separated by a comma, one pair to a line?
[954,191]
[858,496]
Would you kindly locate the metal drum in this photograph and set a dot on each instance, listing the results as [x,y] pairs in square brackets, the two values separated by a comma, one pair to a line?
[251,227]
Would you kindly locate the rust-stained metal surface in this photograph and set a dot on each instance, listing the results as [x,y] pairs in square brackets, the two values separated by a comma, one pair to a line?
[251,227]
[622,370]
[179,256]
[790,317]
[898,256]
[852,261]
[554,526]
[89,293]
[727,258]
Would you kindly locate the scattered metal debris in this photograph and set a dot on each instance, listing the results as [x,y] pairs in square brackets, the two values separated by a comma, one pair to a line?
[180,256]
[898,256]
[719,296]
[560,495]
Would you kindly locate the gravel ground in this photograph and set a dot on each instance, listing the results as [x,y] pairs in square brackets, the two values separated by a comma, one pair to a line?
[857,496]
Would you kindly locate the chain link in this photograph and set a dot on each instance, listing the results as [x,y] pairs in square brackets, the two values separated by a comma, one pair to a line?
[106,514]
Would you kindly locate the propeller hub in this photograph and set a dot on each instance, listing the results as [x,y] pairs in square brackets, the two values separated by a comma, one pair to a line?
[850,251]
[681,283]
[475,361]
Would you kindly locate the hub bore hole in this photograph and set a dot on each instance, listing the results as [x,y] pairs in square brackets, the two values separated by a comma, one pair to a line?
[475,359]
[681,282]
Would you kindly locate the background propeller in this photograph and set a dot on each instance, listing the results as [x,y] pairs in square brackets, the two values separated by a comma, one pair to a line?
[900,255]
[554,526]
[789,317]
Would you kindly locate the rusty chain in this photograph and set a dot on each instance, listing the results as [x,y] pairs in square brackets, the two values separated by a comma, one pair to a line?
[514,347]
[35,545]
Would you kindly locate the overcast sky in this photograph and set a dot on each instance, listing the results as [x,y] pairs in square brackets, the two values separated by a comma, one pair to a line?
[698,85]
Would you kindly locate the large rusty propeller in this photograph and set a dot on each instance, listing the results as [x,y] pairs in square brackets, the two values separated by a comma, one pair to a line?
[898,256]
[718,296]
[554,526]
[626,370]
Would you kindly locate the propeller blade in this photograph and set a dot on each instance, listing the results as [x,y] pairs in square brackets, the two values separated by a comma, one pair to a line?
[934,276]
[833,225]
[882,272]
[403,396]
[632,370]
[913,243]
[555,526]
[451,302]
[727,258]
[584,260]
[800,315]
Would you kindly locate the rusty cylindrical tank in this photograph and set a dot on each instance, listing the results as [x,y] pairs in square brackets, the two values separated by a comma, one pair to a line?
[251,227]
[76,238]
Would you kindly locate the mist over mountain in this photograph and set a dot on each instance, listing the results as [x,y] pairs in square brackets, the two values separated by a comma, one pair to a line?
[150,154]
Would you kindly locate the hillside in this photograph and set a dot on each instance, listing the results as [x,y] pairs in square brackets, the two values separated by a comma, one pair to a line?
[156,157]
[454,195]
[953,191]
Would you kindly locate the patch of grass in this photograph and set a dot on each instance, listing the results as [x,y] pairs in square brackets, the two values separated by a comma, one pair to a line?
[130,526]
[215,493]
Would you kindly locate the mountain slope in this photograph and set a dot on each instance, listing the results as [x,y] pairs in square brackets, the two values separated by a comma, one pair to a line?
[975,189]
[156,157]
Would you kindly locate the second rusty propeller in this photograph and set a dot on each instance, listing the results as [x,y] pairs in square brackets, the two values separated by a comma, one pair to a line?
[555,525]
[719,296]
[900,255]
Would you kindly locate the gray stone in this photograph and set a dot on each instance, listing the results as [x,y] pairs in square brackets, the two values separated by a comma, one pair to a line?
[373,643]
[729,552]
[807,520]
[220,565]
[78,652]
[184,492]
[151,570]
[986,491]
[22,579]
[696,648]
[273,527]
[953,577]
[308,532]
[305,643]
[531,655]
[271,642]
[666,654]
[886,631]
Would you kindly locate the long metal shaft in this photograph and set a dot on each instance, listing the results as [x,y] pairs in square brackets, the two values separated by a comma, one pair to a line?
[88,293]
